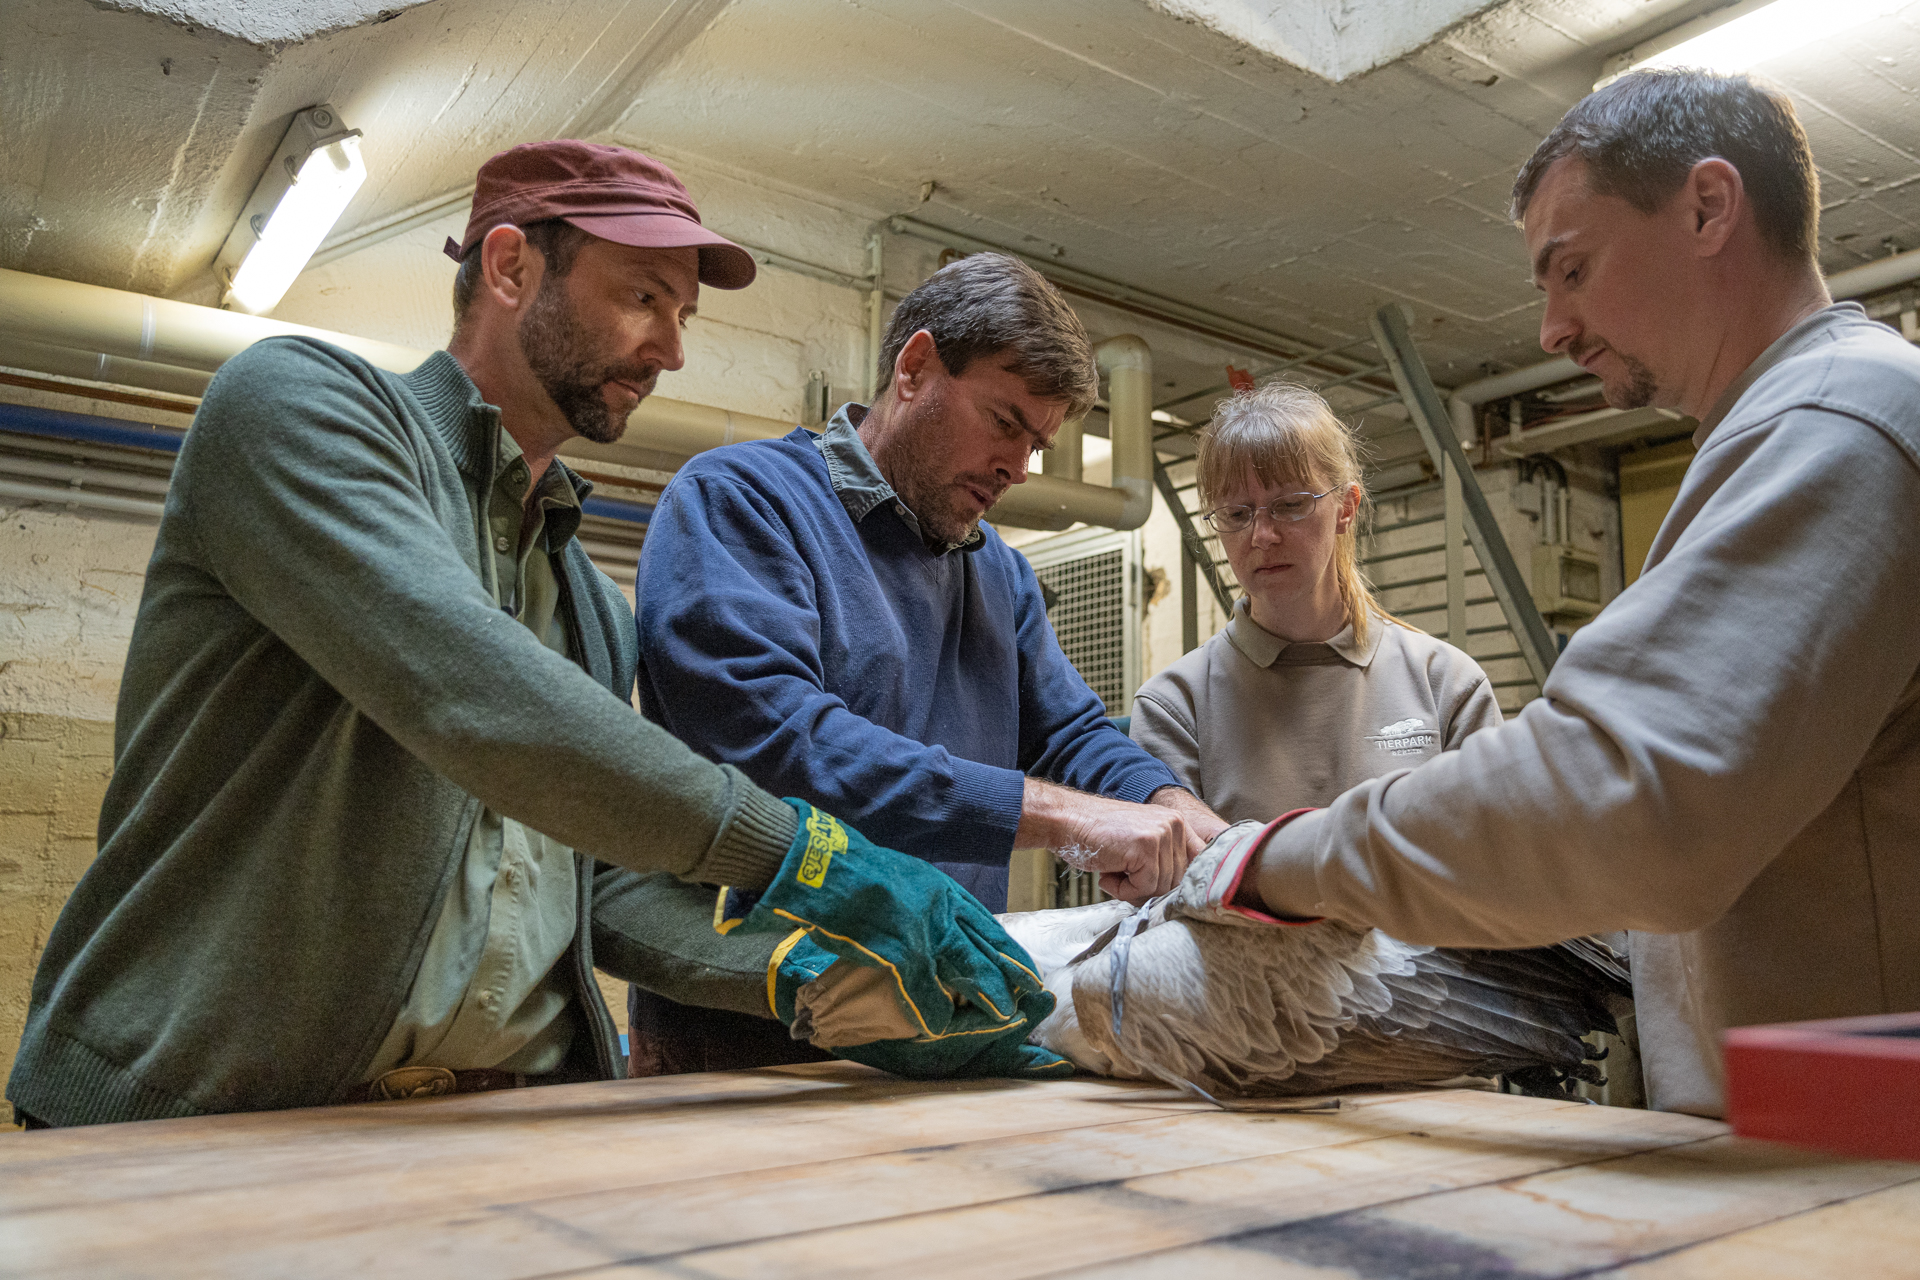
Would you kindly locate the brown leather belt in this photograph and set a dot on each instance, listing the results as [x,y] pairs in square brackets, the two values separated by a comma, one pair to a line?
[436,1082]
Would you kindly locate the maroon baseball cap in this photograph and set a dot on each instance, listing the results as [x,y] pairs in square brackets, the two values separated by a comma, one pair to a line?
[609,192]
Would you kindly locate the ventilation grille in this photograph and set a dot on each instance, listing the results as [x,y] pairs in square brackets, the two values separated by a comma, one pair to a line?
[1089,617]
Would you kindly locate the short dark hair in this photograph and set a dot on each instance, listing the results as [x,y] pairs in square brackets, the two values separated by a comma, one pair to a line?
[1642,134]
[986,304]
[558,241]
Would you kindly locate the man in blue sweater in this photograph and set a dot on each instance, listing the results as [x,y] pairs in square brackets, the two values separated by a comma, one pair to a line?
[828,614]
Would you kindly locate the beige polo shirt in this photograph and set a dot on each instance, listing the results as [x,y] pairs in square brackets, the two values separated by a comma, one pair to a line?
[1257,726]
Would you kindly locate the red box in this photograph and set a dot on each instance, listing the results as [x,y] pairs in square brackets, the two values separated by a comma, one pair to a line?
[1850,1085]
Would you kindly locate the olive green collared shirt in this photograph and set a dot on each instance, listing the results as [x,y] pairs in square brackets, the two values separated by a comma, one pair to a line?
[489,992]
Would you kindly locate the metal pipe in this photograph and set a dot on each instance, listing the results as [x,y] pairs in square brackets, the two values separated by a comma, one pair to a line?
[75,475]
[53,428]
[19,352]
[876,309]
[86,317]
[80,498]
[1128,364]
[1462,416]
[1124,297]
[59,424]
[70,448]
[38,313]
[1517,381]
[1454,530]
[1067,459]
[1869,277]
[1050,502]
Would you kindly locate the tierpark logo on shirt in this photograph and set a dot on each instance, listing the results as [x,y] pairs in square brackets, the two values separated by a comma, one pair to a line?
[1409,737]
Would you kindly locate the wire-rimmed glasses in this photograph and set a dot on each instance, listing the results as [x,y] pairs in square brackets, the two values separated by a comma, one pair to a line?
[1285,509]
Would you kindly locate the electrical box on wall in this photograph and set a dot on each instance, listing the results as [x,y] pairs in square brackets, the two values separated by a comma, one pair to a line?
[1566,582]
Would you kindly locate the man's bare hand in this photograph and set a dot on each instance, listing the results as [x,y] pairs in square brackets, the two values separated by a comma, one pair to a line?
[1203,824]
[1139,850]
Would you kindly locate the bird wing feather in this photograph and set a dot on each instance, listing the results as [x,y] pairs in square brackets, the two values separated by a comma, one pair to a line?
[1277,1011]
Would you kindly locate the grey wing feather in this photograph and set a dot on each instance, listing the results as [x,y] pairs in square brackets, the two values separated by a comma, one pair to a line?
[1243,1011]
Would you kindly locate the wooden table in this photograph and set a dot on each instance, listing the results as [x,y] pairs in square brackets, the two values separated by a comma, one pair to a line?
[833,1169]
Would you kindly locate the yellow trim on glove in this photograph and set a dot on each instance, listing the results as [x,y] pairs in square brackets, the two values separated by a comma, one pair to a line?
[720,922]
[926,1032]
[773,966]
[1037,980]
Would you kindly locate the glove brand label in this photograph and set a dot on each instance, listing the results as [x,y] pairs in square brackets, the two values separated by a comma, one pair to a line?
[825,837]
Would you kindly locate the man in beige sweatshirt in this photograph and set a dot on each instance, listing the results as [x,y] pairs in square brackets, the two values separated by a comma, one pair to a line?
[1727,760]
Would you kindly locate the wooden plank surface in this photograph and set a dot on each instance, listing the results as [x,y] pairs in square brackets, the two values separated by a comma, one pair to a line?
[833,1169]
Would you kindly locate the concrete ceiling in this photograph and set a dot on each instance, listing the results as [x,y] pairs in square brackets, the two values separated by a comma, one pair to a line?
[1125,138]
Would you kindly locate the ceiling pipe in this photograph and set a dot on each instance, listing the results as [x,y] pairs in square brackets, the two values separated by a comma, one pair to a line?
[18,352]
[1067,459]
[132,326]
[1050,501]
[1870,277]
[86,331]
[1128,363]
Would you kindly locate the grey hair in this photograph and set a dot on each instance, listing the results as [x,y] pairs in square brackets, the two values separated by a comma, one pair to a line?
[987,304]
[1642,134]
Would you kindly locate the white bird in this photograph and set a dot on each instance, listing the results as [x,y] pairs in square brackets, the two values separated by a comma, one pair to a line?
[1241,1009]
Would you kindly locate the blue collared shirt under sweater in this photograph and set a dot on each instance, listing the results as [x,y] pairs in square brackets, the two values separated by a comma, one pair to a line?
[794,623]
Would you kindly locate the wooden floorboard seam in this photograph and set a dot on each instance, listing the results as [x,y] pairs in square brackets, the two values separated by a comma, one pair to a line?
[1229,1238]
[1657,1254]
[667,1259]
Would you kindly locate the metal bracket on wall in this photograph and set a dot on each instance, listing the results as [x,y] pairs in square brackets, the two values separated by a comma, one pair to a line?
[1191,542]
[1430,418]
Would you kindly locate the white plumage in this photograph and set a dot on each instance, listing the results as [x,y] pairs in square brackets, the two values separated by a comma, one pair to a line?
[1244,1010]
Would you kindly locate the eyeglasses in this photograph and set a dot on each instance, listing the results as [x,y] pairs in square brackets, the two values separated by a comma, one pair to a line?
[1287,507]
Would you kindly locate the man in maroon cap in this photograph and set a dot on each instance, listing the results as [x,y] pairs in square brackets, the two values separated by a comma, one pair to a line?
[380,795]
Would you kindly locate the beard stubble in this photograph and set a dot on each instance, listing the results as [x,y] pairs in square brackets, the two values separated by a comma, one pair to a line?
[924,478]
[562,357]
[1637,392]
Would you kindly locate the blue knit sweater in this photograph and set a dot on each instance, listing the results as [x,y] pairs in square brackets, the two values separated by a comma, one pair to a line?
[837,659]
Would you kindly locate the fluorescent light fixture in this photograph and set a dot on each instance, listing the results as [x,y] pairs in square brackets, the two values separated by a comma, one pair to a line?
[314,173]
[1741,36]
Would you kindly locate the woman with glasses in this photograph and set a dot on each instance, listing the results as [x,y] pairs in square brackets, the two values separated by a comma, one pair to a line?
[1312,688]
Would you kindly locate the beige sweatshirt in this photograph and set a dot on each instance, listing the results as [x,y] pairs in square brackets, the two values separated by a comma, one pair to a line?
[1256,726]
[1726,760]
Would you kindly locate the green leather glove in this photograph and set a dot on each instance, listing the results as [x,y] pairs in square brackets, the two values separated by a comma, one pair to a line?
[853,1012]
[965,990]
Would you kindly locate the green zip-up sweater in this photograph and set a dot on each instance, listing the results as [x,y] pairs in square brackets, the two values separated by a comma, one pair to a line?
[320,695]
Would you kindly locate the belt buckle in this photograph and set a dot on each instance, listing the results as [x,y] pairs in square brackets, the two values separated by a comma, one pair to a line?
[411,1082]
